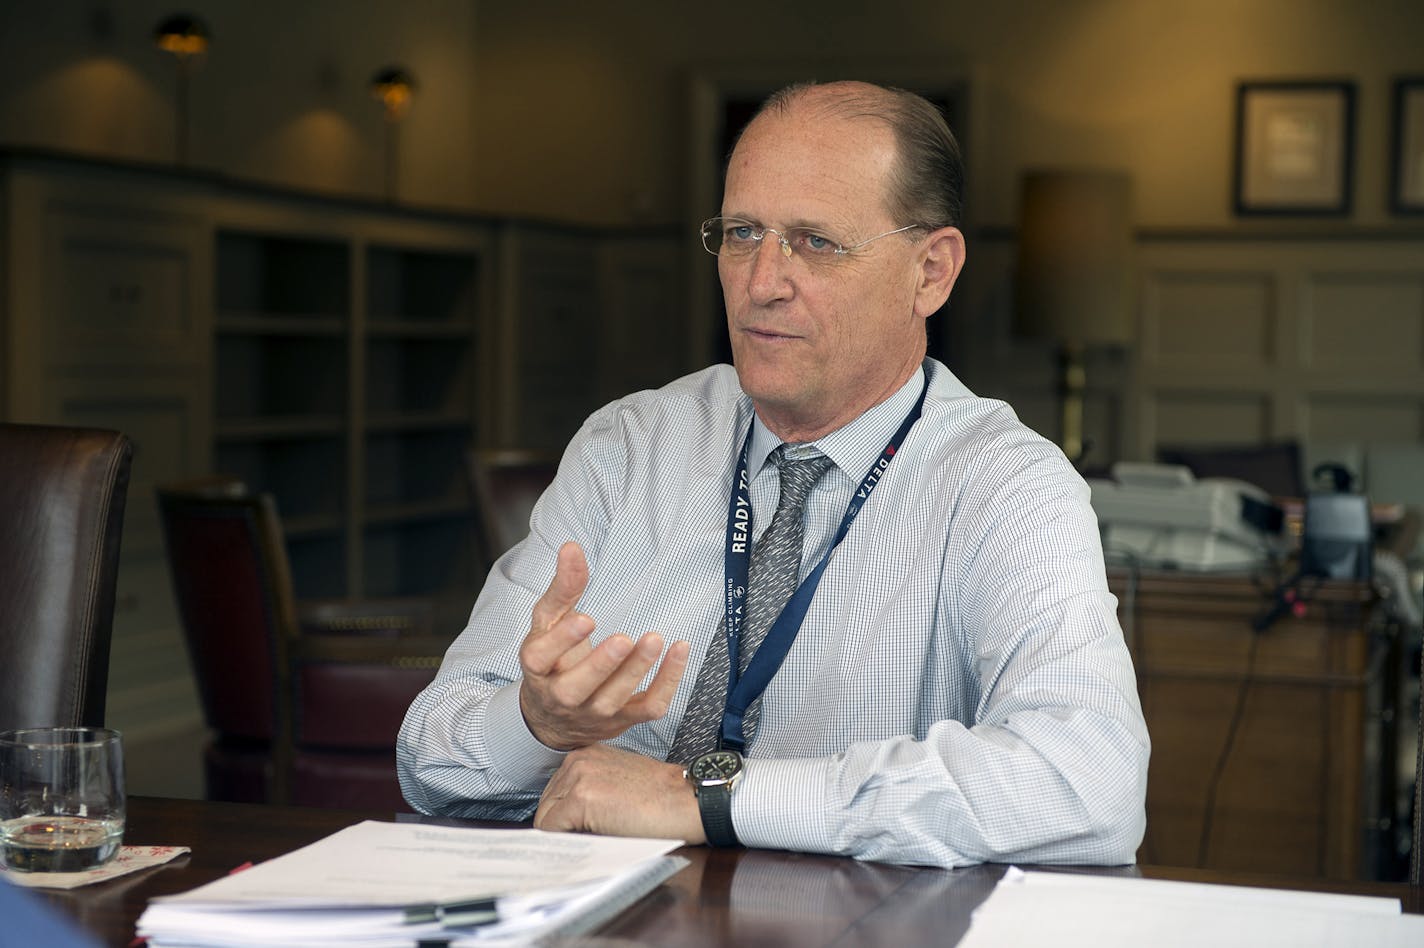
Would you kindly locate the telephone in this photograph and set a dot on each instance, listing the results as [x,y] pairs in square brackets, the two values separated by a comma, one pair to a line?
[1163,517]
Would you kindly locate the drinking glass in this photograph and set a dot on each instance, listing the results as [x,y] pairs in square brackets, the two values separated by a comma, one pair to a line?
[61,798]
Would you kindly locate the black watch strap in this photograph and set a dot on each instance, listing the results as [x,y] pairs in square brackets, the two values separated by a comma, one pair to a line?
[716,806]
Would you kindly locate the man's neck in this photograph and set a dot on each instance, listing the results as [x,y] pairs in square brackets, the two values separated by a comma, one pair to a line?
[795,428]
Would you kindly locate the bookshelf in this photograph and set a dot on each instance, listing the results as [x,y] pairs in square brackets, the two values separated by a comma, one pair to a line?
[345,384]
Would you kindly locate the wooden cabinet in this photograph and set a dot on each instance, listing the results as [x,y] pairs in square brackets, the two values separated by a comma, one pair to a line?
[1269,751]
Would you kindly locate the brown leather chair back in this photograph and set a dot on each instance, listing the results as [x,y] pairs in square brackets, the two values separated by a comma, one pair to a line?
[62,493]
[506,484]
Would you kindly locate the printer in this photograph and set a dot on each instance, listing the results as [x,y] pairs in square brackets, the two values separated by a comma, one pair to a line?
[1162,517]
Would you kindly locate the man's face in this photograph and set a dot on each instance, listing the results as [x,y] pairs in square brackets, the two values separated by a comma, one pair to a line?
[815,346]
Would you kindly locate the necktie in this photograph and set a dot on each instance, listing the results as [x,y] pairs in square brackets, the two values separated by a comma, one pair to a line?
[772,577]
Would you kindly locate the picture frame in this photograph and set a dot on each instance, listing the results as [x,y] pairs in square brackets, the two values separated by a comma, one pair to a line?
[1406,190]
[1294,147]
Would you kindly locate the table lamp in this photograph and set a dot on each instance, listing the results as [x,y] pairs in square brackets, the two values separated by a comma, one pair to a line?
[1073,281]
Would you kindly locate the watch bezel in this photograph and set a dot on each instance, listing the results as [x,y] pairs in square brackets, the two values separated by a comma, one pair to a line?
[721,779]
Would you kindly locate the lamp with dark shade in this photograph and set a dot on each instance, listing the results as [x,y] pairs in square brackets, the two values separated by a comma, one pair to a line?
[1073,282]
[394,88]
[186,37]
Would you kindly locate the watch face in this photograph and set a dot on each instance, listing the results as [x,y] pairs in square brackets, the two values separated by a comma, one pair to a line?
[716,766]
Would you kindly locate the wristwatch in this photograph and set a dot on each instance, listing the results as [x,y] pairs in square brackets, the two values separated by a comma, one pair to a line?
[714,776]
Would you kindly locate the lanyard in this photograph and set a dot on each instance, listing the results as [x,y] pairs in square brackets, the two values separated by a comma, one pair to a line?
[744,688]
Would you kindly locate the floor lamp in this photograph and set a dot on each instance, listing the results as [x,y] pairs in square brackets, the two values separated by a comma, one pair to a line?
[1073,282]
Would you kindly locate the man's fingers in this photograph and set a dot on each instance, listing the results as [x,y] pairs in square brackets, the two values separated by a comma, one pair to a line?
[658,698]
[635,660]
[570,580]
[547,651]
[556,628]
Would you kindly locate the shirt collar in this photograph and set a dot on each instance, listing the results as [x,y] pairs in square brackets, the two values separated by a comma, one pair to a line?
[853,447]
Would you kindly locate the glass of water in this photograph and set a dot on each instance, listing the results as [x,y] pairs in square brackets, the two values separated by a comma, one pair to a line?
[61,798]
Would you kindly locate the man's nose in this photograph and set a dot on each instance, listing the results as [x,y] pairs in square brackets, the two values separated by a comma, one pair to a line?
[771,266]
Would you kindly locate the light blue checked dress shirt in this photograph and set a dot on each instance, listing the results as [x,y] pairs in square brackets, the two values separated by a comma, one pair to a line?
[959,692]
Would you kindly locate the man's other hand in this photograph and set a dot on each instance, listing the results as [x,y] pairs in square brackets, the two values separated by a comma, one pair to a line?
[602,789]
[573,694]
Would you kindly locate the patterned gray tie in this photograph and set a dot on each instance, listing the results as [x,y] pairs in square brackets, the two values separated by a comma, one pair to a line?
[771,579]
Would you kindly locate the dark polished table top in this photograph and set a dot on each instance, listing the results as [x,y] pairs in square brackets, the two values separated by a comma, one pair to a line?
[723,897]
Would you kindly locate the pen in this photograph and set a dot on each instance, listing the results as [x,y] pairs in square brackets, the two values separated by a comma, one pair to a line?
[465,914]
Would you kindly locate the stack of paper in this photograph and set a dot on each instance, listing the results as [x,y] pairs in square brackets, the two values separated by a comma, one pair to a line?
[1068,911]
[378,884]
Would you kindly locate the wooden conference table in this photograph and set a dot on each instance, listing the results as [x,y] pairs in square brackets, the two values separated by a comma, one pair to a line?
[724,897]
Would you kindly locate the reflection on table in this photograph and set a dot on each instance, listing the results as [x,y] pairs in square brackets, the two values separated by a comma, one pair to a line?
[723,897]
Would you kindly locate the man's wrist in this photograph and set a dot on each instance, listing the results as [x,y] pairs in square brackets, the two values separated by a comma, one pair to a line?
[516,753]
[714,777]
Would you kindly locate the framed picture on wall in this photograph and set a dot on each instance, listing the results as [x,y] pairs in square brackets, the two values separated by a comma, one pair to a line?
[1406,195]
[1294,147]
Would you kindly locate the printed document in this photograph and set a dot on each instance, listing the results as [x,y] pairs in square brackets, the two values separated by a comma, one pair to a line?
[394,884]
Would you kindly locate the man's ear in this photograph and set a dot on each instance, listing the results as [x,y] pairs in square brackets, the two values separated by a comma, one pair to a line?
[939,268]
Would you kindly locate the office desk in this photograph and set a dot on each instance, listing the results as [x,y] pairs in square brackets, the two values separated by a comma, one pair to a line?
[1297,718]
[724,897]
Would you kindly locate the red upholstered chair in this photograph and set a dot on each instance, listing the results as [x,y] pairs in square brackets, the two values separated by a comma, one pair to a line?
[62,494]
[304,701]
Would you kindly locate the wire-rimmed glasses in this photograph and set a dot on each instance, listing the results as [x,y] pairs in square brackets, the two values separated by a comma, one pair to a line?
[737,238]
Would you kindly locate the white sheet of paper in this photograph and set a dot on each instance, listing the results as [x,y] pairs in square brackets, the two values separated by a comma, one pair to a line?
[399,864]
[1081,911]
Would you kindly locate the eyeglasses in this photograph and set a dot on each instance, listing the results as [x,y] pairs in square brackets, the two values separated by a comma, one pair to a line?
[736,238]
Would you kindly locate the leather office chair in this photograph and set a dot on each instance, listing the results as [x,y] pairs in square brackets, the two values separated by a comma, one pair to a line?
[304,700]
[62,494]
[506,484]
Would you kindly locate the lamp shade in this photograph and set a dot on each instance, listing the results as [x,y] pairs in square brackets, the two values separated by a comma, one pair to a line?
[393,87]
[182,35]
[1074,276]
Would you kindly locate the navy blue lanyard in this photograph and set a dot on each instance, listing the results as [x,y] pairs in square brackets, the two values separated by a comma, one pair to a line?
[743,689]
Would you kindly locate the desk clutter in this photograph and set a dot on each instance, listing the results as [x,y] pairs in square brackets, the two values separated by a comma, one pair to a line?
[402,884]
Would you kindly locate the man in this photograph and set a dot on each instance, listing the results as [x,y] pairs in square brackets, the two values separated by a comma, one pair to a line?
[954,687]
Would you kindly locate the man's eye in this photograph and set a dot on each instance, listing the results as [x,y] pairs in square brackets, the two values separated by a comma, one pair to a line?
[740,232]
[813,243]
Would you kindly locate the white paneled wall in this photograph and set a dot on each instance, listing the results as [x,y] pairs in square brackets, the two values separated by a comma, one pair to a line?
[1240,340]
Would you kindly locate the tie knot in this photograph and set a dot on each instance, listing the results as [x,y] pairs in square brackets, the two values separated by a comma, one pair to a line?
[798,476]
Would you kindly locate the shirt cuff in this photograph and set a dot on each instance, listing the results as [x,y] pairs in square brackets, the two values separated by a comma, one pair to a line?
[781,804]
[515,753]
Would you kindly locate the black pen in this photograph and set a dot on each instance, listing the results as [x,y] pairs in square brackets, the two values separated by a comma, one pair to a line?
[466,914]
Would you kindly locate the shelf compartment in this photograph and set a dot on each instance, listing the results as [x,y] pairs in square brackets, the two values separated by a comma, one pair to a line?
[419,286]
[418,376]
[433,558]
[276,276]
[426,467]
[269,324]
[259,376]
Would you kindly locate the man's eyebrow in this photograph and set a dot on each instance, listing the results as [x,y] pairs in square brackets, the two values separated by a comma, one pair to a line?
[798,223]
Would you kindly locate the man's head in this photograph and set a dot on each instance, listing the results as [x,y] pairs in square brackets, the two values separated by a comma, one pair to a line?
[820,336]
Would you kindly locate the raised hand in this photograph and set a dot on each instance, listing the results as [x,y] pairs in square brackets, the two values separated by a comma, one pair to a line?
[573,694]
